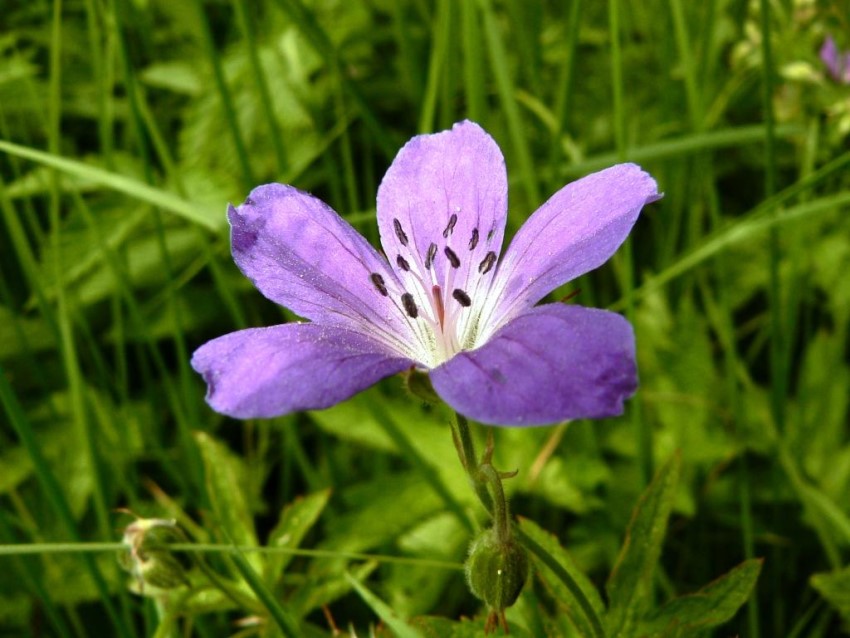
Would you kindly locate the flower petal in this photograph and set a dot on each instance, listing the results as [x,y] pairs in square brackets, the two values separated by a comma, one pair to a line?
[303,255]
[575,231]
[551,363]
[445,193]
[830,57]
[266,372]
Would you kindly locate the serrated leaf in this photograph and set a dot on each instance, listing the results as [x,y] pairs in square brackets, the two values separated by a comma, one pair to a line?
[835,588]
[564,597]
[225,480]
[295,521]
[631,577]
[711,606]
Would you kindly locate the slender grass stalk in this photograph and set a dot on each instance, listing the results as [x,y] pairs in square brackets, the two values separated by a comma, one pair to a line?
[349,177]
[507,97]
[46,549]
[436,64]
[726,332]
[777,334]
[413,73]
[777,338]
[642,429]
[250,37]
[683,41]
[449,80]
[52,489]
[233,127]
[681,146]
[284,621]
[473,64]
[564,97]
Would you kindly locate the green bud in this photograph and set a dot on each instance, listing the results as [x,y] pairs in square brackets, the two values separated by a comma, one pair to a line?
[496,571]
[147,556]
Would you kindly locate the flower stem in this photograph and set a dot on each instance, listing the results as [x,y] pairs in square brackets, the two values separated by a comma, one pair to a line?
[500,505]
[483,475]
[466,451]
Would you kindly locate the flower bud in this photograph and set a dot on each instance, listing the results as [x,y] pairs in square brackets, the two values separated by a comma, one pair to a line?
[147,556]
[496,570]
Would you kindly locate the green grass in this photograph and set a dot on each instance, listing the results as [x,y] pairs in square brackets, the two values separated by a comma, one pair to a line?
[126,128]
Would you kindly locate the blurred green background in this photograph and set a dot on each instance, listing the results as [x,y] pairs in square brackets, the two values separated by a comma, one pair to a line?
[127,125]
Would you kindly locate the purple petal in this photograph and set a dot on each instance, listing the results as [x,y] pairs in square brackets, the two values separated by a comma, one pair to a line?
[302,255]
[448,190]
[551,363]
[266,372]
[577,230]
[829,56]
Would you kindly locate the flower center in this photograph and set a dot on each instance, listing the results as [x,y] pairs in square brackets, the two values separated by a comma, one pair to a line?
[443,289]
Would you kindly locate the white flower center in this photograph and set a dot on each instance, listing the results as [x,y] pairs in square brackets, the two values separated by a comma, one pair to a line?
[443,294]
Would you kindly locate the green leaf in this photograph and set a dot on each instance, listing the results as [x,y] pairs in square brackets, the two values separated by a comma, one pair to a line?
[835,588]
[138,190]
[380,511]
[393,621]
[711,606]
[295,521]
[418,589]
[563,595]
[225,480]
[631,577]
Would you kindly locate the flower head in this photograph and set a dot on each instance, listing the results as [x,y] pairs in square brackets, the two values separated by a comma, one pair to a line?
[836,62]
[444,299]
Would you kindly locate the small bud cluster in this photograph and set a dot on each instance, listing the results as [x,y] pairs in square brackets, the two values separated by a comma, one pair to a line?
[147,556]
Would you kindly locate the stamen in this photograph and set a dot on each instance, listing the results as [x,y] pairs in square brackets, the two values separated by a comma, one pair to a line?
[378,282]
[409,305]
[490,234]
[399,232]
[451,226]
[487,263]
[402,263]
[429,258]
[473,241]
[461,297]
[452,257]
[438,303]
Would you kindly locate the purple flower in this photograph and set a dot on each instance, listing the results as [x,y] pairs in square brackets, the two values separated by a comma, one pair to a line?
[837,62]
[442,300]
